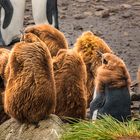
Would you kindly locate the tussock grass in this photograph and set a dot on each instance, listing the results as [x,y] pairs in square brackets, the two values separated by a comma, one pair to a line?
[107,128]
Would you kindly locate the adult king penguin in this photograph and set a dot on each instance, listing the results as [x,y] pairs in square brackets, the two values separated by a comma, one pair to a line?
[12,16]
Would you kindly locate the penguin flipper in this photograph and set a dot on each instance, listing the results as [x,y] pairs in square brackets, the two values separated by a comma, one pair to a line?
[8,8]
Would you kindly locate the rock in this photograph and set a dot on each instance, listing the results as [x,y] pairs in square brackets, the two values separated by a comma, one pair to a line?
[49,129]
[135,109]
[97,32]
[31,22]
[106,0]
[83,1]
[112,18]
[134,91]
[27,17]
[100,7]
[114,9]
[135,96]
[91,26]
[136,4]
[125,6]
[62,17]
[78,27]
[62,12]
[125,34]
[88,13]
[135,99]
[64,8]
[128,44]
[70,33]
[127,15]
[120,52]
[103,14]
[79,16]
[74,4]
[98,13]
[64,3]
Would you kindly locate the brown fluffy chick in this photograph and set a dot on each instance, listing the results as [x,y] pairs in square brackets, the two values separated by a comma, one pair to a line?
[87,45]
[4,55]
[70,78]
[30,93]
[53,38]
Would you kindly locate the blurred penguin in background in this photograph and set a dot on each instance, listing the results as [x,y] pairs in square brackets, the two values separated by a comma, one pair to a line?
[12,16]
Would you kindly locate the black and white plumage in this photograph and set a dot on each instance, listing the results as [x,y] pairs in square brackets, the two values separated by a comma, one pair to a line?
[8,9]
[115,102]
[44,11]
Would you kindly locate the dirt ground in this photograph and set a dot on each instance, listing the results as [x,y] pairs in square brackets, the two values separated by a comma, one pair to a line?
[116,21]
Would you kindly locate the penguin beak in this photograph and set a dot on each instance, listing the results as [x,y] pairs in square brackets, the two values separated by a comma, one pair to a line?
[22,32]
[8,8]
[22,35]
[100,53]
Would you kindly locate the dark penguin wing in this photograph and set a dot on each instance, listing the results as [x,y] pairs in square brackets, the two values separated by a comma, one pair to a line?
[97,103]
[52,12]
[8,8]
[1,40]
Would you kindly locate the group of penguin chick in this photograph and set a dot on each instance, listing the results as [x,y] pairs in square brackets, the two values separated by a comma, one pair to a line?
[42,75]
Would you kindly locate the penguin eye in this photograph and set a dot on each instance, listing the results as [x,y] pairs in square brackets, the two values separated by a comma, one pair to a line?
[105,61]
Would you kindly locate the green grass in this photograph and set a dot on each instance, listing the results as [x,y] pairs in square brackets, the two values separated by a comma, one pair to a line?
[103,129]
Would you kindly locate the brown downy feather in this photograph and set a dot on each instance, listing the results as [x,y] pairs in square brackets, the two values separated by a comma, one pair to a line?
[53,38]
[113,73]
[30,38]
[30,94]
[4,55]
[138,74]
[70,76]
[87,45]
